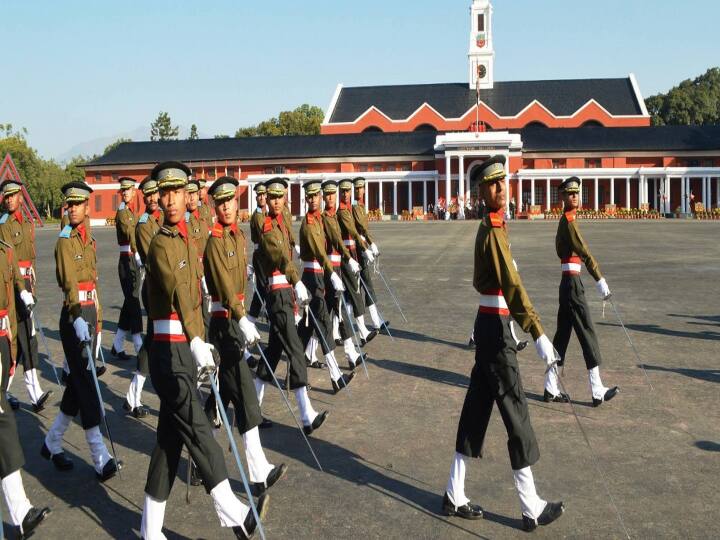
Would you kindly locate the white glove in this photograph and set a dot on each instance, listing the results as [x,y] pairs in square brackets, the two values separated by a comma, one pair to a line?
[374,249]
[204,286]
[250,331]
[98,344]
[138,260]
[297,249]
[515,264]
[82,331]
[545,349]
[301,293]
[250,271]
[354,266]
[602,288]
[337,282]
[369,257]
[298,317]
[202,353]
[27,298]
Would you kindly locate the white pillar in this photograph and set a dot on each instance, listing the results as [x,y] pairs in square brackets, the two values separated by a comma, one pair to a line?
[251,200]
[302,199]
[596,198]
[668,194]
[519,203]
[655,193]
[448,164]
[410,201]
[532,192]
[507,193]
[683,195]
[627,192]
[717,192]
[381,203]
[425,203]
[437,195]
[367,194]
[461,187]
[547,194]
[612,191]
[395,212]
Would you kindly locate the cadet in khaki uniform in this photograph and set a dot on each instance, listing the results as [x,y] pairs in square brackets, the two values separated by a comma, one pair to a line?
[24,517]
[495,378]
[199,231]
[283,280]
[287,216]
[76,272]
[148,225]
[359,213]
[130,321]
[343,264]
[20,233]
[256,225]
[357,247]
[204,209]
[231,332]
[177,352]
[317,268]
[573,311]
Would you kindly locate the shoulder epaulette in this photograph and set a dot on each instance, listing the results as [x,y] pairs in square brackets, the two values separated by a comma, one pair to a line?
[187,217]
[496,222]
[267,225]
[122,206]
[168,232]
[144,218]
[65,233]
[4,218]
[570,216]
[217,230]
[259,210]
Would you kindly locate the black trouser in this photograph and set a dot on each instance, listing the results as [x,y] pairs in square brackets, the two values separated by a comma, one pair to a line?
[283,336]
[143,361]
[573,312]
[495,378]
[236,379]
[80,395]
[259,291]
[27,343]
[369,289]
[353,290]
[181,421]
[332,301]
[130,313]
[315,284]
[11,454]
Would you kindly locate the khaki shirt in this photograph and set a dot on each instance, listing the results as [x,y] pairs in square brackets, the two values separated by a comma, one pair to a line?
[359,213]
[569,242]
[75,263]
[225,265]
[146,229]
[256,225]
[198,230]
[288,220]
[276,250]
[333,235]
[494,269]
[10,274]
[173,272]
[313,242]
[19,233]
[206,215]
[125,222]
[348,228]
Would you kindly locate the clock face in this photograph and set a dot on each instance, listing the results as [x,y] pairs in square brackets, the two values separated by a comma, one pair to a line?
[482,71]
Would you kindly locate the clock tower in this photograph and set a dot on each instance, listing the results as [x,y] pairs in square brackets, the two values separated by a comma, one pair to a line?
[481,54]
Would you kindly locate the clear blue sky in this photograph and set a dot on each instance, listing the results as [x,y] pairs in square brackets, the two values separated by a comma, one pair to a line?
[78,70]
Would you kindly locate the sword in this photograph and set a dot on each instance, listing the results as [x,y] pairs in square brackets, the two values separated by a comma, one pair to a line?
[48,358]
[302,431]
[637,356]
[262,302]
[367,291]
[352,327]
[322,336]
[189,468]
[392,294]
[228,428]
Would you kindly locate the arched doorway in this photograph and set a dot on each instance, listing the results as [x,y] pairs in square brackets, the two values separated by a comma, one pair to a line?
[591,123]
[372,129]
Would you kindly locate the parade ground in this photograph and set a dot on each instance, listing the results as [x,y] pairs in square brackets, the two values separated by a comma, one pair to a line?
[387,445]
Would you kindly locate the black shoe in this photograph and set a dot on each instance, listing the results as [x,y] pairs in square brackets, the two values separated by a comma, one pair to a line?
[369,338]
[40,405]
[560,398]
[122,355]
[342,382]
[471,343]
[195,479]
[63,377]
[32,519]
[253,362]
[521,345]
[553,510]
[611,393]
[110,469]
[258,488]
[315,365]
[466,511]
[338,342]
[384,326]
[100,370]
[319,419]
[265,424]
[61,461]
[139,412]
[359,362]
[250,524]
[13,401]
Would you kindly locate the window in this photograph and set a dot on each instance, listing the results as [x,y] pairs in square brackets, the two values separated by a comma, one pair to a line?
[693,163]
[302,170]
[377,168]
[406,167]
[481,22]
[554,196]
[115,177]
[585,197]
[279,169]
[211,174]
[539,196]
[98,202]
[98,177]
[592,163]
[391,168]
[558,163]
[268,170]
[363,168]
[116,200]
[707,163]
[232,171]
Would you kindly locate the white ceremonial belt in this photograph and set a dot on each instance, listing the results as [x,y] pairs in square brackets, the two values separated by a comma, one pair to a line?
[573,268]
[278,280]
[335,258]
[125,248]
[86,296]
[493,301]
[25,271]
[349,242]
[314,265]
[216,307]
[4,322]
[168,327]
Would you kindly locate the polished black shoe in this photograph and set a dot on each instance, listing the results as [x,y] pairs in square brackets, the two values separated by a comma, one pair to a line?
[553,510]
[139,412]
[258,488]
[40,405]
[560,398]
[32,519]
[13,401]
[265,424]
[359,362]
[471,343]
[466,511]
[384,327]
[61,461]
[342,382]
[100,370]
[369,338]
[250,524]
[338,342]
[315,365]
[195,479]
[611,393]
[521,345]
[319,419]
[110,469]
[253,362]
[122,355]
[64,377]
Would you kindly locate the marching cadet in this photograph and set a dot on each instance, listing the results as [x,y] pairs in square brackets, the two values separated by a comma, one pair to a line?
[359,213]
[287,216]
[231,331]
[276,262]
[353,241]
[20,233]
[573,311]
[178,351]
[147,227]
[204,210]
[76,273]
[199,231]
[257,220]
[129,263]
[343,264]
[495,377]
[24,517]
[317,268]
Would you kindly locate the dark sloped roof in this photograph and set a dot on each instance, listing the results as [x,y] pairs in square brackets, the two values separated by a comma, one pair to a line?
[588,139]
[257,148]
[452,100]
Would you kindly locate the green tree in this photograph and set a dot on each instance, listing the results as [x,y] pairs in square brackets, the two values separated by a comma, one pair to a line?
[162,129]
[304,120]
[692,102]
[193,133]
[221,136]
[114,145]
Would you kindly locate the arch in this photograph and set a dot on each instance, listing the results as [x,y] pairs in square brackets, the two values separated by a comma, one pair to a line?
[535,124]
[372,129]
[425,127]
[591,123]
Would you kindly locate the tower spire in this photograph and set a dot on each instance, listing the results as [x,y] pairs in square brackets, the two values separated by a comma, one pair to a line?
[481,54]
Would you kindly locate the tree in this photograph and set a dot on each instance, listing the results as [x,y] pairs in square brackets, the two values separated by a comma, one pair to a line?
[193,133]
[114,145]
[162,129]
[692,102]
[305,120]
[221,136]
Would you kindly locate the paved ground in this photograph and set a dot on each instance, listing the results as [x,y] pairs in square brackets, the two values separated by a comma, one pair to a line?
[386,447]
